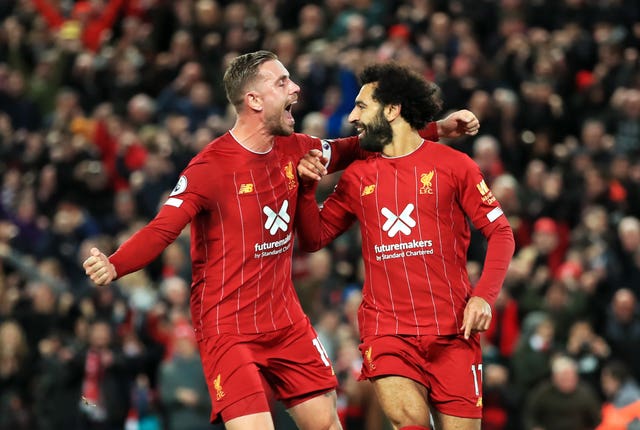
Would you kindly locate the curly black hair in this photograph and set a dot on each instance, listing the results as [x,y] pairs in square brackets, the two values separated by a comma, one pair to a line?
[396,84]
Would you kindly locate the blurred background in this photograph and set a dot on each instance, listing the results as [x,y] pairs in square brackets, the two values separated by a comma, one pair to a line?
[104,102]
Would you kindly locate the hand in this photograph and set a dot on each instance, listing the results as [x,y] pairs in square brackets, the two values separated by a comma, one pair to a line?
[98,268]
[187,396]
[311,166]
[458,123]
[477,316]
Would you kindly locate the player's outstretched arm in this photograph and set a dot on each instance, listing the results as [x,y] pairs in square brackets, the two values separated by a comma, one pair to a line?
[312,166]
[456,124]
[98,267]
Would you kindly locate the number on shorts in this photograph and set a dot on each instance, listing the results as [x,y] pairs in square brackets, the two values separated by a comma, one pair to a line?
[321,351]
[476,369]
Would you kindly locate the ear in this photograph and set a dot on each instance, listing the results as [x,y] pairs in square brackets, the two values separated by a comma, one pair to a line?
[391,112]
[253,100]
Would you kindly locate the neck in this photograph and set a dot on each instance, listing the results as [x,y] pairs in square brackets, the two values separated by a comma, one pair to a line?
[405,141]
[252,134]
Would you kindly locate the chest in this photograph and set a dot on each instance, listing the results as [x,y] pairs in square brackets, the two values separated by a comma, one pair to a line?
[259,192]
[397,187]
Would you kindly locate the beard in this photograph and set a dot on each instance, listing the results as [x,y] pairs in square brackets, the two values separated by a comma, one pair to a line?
[277,127]
[377,134]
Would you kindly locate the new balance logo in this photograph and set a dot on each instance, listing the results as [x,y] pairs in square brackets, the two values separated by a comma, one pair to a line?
[277,220]
[398,223]
[368,190]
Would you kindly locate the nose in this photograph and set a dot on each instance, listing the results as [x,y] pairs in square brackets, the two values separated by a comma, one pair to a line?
[295,88]
[353,116]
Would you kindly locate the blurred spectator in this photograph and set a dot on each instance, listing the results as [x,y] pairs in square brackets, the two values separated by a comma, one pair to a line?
[622,407]
[37,312]
[174,97]
[104,375]
[486,154]
[588,350]
[499,341]
[144,409]
[103,101]
[183,390]
[625,267]
[532,271]
[531,359]
[172,309]
[311,24]
[627,131]
[563,401]
[22,111]
[90,20]
[14,377]
[622,329]
[318,285]
[499,406]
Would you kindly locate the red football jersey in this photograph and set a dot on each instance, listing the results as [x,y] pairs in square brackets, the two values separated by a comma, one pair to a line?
[413,214]
[241,205]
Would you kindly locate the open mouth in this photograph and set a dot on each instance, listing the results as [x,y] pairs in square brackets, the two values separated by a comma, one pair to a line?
[288,109]
[289,106]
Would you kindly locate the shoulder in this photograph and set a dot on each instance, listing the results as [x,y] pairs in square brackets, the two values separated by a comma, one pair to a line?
[447,153]
[214,156]
[297,142]
[220,145]
[447,158]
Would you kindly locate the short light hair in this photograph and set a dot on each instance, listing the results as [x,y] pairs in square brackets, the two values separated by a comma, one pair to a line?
[628,224]
[242,71]
[562,363]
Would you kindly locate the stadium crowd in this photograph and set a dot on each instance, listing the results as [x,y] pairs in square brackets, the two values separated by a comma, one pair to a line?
[103,102]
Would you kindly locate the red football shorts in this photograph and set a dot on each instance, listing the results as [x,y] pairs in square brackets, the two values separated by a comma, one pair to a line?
[450,367]
[292,361]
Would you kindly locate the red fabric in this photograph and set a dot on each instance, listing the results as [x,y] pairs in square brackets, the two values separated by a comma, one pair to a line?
[584,79]
[550,225]
[289,359]
[500,248]
[93,373]
[241,232]
[252,404]
[617,192]
[445,365]
[94,28]
[400,31]
[557,256]
[494,418]
[619,418]
[107,146]
[49,13]
[413,220]
[545,225]
[134,156]
[349,413]
[509,327]
[430,132]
